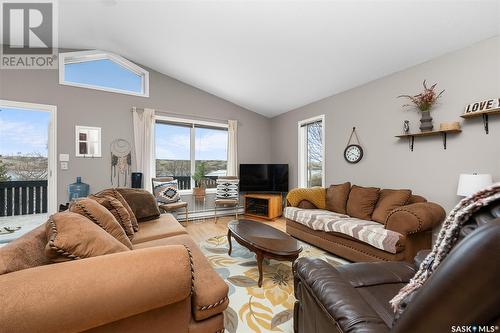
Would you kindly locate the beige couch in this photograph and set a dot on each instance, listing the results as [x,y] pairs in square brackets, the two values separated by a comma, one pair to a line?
[165,284]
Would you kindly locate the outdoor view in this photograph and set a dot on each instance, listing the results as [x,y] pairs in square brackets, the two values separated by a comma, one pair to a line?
[314,154]
[23,161]
[173,154]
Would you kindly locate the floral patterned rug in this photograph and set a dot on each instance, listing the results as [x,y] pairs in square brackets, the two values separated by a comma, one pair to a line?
[253,309]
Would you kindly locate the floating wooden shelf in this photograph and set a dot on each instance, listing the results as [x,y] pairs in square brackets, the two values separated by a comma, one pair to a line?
[484,114]
[443,133]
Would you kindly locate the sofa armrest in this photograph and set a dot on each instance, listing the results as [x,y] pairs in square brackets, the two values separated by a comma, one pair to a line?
[415,218]
[335,300]
[142,203]
[83,294]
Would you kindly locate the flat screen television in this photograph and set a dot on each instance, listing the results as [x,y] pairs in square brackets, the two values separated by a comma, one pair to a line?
[264,177]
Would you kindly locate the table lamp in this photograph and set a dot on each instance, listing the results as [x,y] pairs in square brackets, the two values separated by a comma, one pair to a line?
[469,184]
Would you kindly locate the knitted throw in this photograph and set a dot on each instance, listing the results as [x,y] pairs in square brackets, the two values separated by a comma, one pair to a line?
[315,195]
[446,239]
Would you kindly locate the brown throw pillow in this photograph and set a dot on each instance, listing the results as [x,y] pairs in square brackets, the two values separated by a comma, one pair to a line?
[142,203]
[72,236]
[387,201]
[361,202]
[112,192]
[98,214]
[25,252]
[336,197]
[119,212]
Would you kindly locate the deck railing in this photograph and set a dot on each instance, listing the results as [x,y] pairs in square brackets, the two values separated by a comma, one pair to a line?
[185,181]
[23,197]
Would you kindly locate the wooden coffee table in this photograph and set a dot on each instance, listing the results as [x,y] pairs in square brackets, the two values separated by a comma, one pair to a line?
[264,240]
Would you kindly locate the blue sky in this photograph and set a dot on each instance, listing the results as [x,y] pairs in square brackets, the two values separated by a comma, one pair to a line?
[23,131]
[104,73]
[173,142]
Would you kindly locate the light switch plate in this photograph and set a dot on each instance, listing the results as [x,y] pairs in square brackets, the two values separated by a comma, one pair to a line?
[64,157]
[64,166]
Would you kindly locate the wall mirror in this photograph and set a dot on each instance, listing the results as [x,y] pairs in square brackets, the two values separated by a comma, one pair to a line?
[88,141]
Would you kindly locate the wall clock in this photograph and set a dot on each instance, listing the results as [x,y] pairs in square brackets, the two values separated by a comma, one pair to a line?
[353,153]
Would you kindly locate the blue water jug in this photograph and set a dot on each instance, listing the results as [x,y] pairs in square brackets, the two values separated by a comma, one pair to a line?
[78,189]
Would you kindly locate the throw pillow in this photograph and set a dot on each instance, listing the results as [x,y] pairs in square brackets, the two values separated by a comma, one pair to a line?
[361,202]
[228,188]
[72,236]
[118,211]
[336,198]
[25,252]
[113,192]
[166,192]
[98,214]
[389,200]
[142,203]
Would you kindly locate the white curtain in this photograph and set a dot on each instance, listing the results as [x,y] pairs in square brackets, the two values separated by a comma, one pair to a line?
[232,148]
[144,121]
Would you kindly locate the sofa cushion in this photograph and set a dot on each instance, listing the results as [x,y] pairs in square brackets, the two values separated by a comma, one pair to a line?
[165,226]
[361,202]
[336,197]
[389,200]
[115,194]
[210,290]
[119,212]
[72,236]
[142,203]
[25,252]
[98,214]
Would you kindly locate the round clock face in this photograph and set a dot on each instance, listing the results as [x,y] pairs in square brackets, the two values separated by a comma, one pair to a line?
[353,153]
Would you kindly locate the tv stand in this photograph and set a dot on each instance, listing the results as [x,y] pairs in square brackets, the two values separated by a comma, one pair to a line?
[264,206]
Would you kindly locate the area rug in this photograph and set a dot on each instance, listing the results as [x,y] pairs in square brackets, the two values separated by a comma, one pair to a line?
[253,309]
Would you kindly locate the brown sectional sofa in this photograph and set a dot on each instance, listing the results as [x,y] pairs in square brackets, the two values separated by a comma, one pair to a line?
[413,221]
[165,284]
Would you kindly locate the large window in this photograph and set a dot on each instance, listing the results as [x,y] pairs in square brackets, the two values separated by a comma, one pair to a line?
[184,147]
[103,71]
[312,152]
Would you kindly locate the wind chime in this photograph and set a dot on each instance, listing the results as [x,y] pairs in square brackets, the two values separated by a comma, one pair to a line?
[121,162]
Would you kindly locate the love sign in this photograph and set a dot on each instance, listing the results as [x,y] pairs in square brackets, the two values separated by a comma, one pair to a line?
[487,105]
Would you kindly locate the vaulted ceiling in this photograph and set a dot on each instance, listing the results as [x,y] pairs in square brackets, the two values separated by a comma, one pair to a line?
[273,56]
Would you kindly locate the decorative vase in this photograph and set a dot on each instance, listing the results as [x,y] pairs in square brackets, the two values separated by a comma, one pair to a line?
[426,122]
[406,127]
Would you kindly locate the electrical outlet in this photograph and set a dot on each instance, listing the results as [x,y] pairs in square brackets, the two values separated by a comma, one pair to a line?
[64,166]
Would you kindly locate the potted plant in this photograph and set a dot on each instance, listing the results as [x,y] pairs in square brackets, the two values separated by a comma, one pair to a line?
[424,102]
[200,180]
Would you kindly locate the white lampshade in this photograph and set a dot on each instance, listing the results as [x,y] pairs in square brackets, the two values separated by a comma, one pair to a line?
[471,183]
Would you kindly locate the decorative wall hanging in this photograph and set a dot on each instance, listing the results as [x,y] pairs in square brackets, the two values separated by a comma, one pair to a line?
[87,141]
[121,162]
[353,153]
[424,102]
[484,109]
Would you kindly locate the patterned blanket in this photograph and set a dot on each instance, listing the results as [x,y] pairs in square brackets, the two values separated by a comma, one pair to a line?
[315,195]
[369,232]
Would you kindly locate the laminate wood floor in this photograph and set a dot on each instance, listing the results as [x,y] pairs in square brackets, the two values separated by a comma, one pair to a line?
[201,230]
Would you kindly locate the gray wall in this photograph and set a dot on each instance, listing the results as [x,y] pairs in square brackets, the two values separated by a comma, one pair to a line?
[468,75]
[112,112]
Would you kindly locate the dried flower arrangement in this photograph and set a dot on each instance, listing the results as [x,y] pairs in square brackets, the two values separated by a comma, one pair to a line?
[426,99]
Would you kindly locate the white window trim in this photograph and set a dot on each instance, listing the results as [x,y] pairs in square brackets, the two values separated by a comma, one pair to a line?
[194,122]
[302,181]
[52,145]
[83,56]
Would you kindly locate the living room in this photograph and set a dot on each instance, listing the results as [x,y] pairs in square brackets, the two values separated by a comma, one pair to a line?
[304,166]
